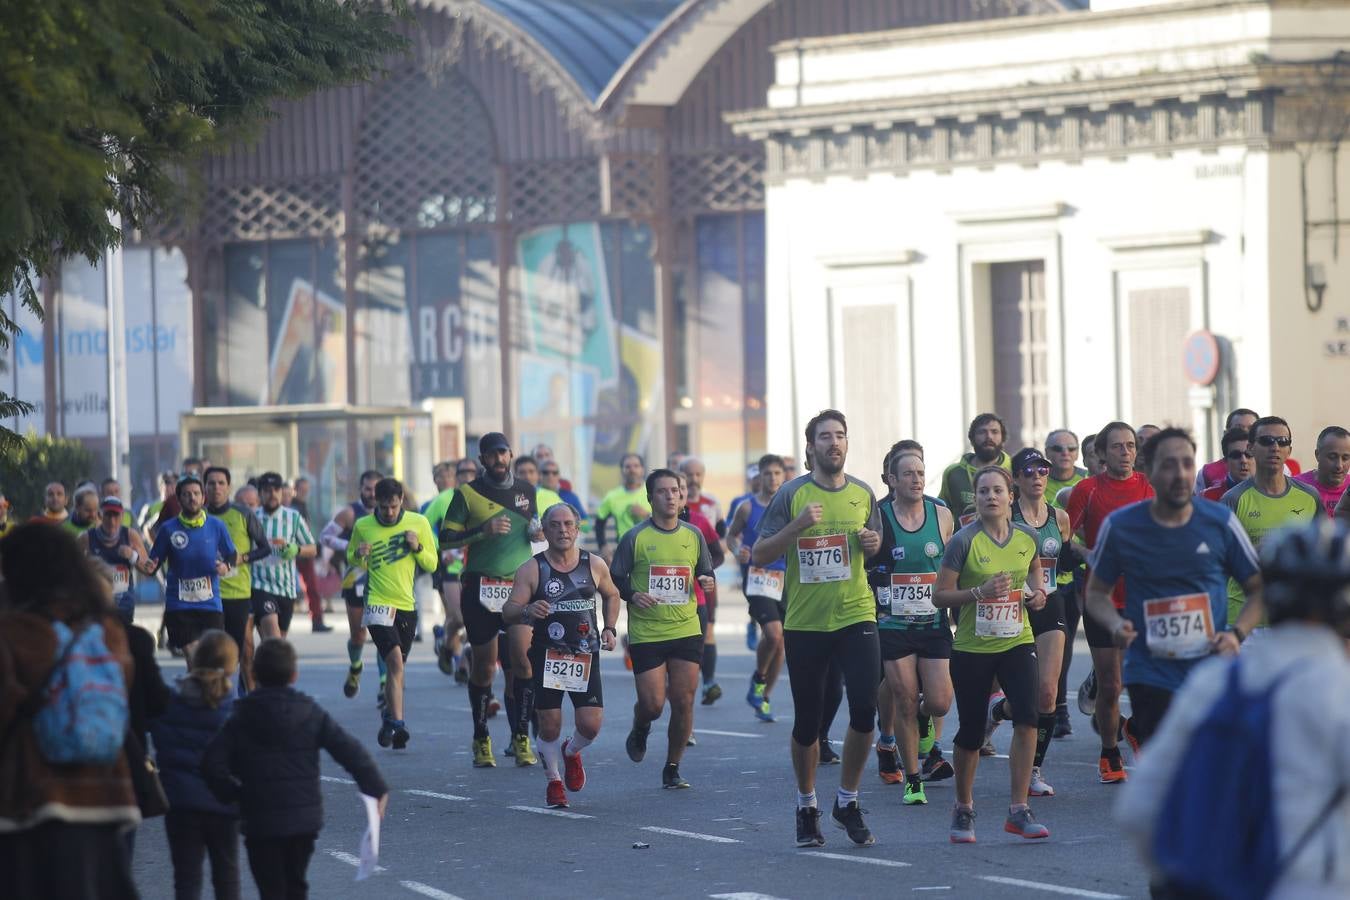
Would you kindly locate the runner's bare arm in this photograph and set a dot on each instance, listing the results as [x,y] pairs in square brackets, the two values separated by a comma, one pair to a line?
[523,584]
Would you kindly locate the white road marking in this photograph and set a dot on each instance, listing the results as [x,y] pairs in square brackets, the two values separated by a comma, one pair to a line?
[712,838]
[744,734]
[744,895]
[336,780]
[435,795]
[427,890]
[350,860]
[865,860]
[938,887]
[1051,888]
[560,813]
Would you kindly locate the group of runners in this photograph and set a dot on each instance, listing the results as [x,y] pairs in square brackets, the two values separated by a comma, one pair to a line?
[900,605]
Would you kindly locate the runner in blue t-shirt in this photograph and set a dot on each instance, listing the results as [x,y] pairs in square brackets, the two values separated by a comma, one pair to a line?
[198,550]
[1176,553]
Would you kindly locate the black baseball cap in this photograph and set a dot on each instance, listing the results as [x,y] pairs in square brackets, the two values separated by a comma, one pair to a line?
[270,479]
[1028,456]
[492,442]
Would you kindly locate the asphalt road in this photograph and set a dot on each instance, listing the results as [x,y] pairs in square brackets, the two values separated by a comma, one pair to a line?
[453,831]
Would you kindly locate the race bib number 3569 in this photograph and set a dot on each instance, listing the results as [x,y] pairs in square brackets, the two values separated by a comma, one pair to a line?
[823,558]
[493,593]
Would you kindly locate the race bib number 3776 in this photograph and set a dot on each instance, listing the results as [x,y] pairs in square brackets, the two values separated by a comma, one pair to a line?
[823,558]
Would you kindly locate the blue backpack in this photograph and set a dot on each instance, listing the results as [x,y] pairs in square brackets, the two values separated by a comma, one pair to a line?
[1217,834]
[82,712]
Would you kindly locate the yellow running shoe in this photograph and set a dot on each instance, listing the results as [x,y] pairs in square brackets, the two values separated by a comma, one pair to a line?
[524,752]
[482,754]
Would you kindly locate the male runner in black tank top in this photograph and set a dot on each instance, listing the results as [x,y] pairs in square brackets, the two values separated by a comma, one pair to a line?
[555,591]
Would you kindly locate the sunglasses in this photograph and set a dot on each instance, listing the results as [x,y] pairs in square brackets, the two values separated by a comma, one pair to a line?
[462,472]
[1270,440]
[1060,448]
[1035,470]
[1235,455]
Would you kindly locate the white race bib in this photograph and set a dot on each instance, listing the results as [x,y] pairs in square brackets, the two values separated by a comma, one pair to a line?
[765,583]
[359,588]
[195,590]
[566,671]
[823,558]
[377,614]
[912,594]
[493,593]
[121,580]
[999,617]
[669,584]
[1048,574]
[231,572]
[1179,627]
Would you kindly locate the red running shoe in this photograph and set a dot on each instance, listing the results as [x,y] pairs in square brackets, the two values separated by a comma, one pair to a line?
[573,772]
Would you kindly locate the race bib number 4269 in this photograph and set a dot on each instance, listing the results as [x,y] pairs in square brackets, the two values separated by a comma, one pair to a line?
[1179,627]
[823,558]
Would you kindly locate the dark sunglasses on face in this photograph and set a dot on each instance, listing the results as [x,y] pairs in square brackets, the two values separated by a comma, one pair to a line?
[549,472]
[1270,440]
[461,473]
[1060,448]
[1035,470]
[1235,455]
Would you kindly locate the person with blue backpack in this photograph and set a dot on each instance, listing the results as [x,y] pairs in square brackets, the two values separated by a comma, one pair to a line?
[66,794]
[197,823]
[1212,813]
[1175,553]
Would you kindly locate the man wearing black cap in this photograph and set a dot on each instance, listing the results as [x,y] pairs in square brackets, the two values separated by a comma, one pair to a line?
[119,548]
[497,517]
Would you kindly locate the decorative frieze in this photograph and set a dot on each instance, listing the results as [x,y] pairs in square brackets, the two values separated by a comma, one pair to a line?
[1022,136]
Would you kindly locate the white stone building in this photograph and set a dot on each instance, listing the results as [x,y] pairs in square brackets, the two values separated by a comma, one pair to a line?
[1032,215]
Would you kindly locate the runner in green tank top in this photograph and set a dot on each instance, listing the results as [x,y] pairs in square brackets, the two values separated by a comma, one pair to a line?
[992,565]
[1031,473]
[916,641]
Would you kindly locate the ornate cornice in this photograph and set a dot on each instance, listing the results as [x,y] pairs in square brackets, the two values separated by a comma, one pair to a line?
[978,135]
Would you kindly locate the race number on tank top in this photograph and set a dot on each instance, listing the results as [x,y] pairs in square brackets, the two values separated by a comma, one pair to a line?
[195,590]
[999,617]
[911,594]
[377,614]
[1048,574]
[1179,627]
[669,584]
[493,593]
[121,580]
[566,671]
[823,558]
[765,583]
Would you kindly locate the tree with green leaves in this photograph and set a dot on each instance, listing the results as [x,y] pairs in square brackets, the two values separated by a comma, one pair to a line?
[28,466]
[107,106]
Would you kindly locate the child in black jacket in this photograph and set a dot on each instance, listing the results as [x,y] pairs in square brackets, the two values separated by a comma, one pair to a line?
[267,758]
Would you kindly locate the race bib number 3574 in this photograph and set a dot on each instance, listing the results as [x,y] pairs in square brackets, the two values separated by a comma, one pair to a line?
[1179,627]
[823,558]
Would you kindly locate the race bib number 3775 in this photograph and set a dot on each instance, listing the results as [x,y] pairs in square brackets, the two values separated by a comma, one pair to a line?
[999,617]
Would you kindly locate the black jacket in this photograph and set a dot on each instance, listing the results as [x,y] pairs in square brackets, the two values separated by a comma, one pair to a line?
[181,735]
[267,758]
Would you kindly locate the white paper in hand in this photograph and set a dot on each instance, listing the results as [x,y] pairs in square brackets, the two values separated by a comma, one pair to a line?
[370,841]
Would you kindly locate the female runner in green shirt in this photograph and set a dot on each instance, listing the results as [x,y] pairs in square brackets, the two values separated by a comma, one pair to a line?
[991,572]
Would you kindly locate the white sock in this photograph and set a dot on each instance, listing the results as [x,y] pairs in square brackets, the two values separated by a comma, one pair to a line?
[576,743]
[551,751]
[846,797]
[806,801]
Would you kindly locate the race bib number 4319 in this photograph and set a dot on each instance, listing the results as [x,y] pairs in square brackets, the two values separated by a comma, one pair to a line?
[1179,627]
[669,584]
[823,558]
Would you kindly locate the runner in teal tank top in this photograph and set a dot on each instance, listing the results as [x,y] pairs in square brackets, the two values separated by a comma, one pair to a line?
[916,641]
[1031,472]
